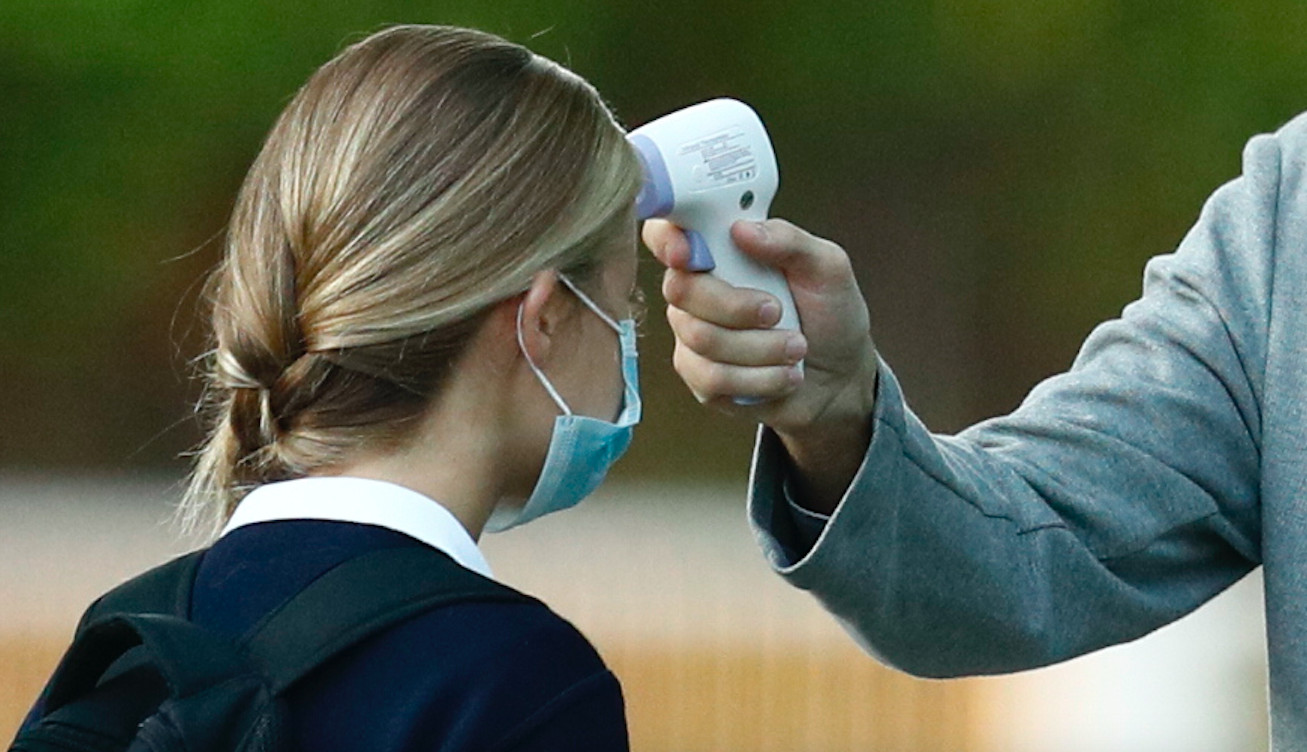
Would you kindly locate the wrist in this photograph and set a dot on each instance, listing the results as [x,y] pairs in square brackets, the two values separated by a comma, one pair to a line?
[826,452]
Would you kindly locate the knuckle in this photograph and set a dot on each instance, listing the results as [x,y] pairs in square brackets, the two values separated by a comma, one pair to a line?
[681,366]
[674,318]
[714,379]
[832,251]
[696,334]
[791,235]
[674,287]
[694,371]
[841,265]
[777,227]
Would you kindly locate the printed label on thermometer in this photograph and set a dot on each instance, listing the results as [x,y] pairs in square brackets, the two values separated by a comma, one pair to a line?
[721,159]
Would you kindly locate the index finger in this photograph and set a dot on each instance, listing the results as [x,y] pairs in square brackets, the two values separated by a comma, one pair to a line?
[706,297]
[667,242]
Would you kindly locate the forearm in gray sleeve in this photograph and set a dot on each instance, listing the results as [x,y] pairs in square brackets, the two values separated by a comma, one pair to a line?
[1118,497]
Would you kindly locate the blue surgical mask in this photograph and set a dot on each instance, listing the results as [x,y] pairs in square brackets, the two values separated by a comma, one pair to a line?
[582,448]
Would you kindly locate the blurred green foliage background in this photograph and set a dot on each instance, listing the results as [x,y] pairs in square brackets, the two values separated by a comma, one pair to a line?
[998,169]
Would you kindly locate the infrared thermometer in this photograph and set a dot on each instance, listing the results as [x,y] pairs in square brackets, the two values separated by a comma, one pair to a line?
[705,167]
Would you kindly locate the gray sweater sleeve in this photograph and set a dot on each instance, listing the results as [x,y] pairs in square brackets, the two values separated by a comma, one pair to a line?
[1118,497]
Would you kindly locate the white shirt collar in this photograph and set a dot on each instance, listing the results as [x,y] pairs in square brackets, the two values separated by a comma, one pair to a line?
[370,502]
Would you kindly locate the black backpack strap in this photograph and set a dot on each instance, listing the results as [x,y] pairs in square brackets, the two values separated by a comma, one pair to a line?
[187,657]
[166,589]
[357,599]
[192,689]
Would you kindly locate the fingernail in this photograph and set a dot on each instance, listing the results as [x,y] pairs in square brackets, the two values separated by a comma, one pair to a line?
[769,313]
[795,348]
[760,228]
[796,376]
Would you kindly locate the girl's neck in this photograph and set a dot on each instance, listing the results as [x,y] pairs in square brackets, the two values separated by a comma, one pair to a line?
[455,458]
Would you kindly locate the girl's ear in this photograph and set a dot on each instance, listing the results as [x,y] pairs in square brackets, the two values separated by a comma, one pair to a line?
[539,313]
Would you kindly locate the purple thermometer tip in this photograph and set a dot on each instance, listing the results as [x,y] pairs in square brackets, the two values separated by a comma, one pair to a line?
[656,197]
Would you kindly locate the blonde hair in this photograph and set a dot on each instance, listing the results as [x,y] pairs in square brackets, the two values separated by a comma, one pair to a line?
[418,178]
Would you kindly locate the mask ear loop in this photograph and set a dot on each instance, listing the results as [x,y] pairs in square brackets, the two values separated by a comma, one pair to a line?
[591,304]
[625,337]
[521,343]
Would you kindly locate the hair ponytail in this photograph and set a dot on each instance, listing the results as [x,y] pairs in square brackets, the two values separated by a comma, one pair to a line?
[418,178]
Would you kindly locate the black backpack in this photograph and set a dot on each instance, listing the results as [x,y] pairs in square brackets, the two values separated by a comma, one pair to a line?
[140,677]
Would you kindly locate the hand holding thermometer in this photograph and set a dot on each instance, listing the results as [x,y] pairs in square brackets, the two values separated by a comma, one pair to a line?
[705,167]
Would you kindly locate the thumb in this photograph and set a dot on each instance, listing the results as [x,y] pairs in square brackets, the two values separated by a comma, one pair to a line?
[801,256]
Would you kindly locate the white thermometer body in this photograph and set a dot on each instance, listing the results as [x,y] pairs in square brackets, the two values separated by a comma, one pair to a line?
[705,167]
